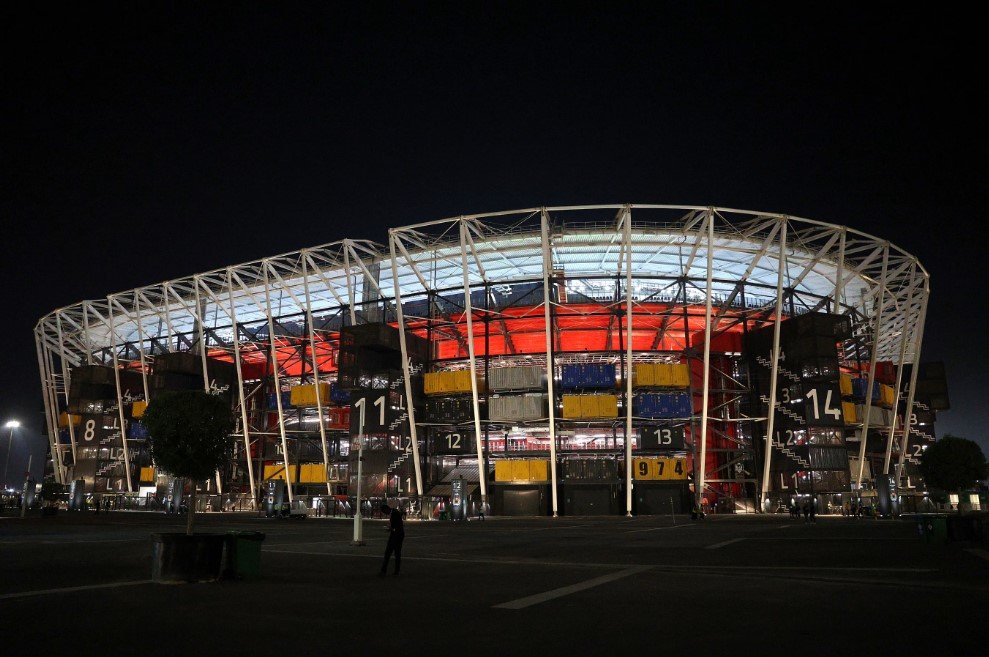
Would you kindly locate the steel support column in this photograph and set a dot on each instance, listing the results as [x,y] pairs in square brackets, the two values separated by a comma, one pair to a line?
[699,469]
[918,341]
[278,385]
[49,413]
[627,243]
[880,301]
[406,370]
[774,370]
[899,370]
[240,392]
[547,250]
[66,382]
[120,399]
[469,311]
[315,374]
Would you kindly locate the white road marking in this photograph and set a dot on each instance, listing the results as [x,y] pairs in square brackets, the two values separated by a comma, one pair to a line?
[531,600]
[979,552]
[653,529]
[577,564]
[724,543]
[71,589]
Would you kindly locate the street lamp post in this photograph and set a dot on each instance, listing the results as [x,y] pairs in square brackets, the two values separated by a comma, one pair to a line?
[12,424]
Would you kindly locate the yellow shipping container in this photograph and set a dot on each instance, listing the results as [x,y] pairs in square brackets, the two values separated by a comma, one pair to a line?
[433,383]
[278,472]
[460,381]
[886,395]
[503,470]
[147,475]
[137,409]
[65,418]
[675,469]
[520,470]
[444,383]
[571,406]
[644,469]
[607,406]
[848,411]
[644,374]
[305,395]
[588,406]
[845,384]
[539,470]
[680,375]
[312,473]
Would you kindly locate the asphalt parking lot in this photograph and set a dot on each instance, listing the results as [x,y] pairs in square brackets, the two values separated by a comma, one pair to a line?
[78,584]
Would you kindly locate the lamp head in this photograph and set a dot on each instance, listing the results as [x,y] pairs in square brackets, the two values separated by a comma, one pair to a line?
[12,424]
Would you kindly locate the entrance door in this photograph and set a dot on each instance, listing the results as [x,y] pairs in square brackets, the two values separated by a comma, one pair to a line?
[521,503]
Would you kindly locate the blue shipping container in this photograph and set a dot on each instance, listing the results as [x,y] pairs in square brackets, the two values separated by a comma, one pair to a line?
[286,401]
[137,431]
[591,376]
[338,395]
[860,386]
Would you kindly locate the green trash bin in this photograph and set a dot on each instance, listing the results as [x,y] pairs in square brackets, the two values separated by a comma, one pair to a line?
[243,555]
[934,529]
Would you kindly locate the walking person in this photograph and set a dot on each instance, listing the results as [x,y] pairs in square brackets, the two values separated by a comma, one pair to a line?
[813,512]
[806,512]
[396,534]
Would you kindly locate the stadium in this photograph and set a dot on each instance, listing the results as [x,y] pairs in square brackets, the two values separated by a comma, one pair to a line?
[584,360]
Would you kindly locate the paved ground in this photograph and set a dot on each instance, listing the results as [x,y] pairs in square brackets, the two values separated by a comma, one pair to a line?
[742,585]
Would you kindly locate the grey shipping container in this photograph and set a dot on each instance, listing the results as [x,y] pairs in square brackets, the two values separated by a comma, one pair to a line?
[517,408]
[530,377]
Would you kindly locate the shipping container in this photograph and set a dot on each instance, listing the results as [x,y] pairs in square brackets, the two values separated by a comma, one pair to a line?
[661,375]
[588,376]
[848,412]
[137,431]
[860,387]
[517,408]
[521,470]
[339,418]
[277,471]
[312,473]
[64,419]
[138,408]
[885,372]
[590,406]
[184,362]
[450,383]
[886,395]
[383,337]
[339,395]
[305,395]
[845,384]
[273,401]
[530,377]
[660,405]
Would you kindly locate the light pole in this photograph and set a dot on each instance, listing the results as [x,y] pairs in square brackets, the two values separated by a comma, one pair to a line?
[12,424]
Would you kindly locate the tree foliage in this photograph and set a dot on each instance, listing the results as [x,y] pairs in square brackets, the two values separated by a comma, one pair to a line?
[953,464]
[188,433]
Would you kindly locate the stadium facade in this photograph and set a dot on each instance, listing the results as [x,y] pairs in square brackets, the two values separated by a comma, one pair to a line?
[625,359]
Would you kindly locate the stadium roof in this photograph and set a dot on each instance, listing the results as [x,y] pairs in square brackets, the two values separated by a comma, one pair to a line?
[668,243]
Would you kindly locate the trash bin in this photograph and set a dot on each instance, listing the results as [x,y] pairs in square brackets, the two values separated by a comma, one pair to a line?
[934,529]
[243,555]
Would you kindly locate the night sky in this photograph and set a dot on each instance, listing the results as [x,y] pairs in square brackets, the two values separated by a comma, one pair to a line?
[143,142]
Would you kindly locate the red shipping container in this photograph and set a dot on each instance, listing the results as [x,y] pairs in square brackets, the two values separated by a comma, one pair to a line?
[885,372]
[339,417]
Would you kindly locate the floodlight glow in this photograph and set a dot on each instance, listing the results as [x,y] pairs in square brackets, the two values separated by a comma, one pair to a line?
[12,424]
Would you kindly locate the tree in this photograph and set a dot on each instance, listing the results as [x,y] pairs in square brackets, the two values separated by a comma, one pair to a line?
[188,432]
[953,464]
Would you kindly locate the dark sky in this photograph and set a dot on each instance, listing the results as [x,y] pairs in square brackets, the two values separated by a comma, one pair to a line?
[143,142]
